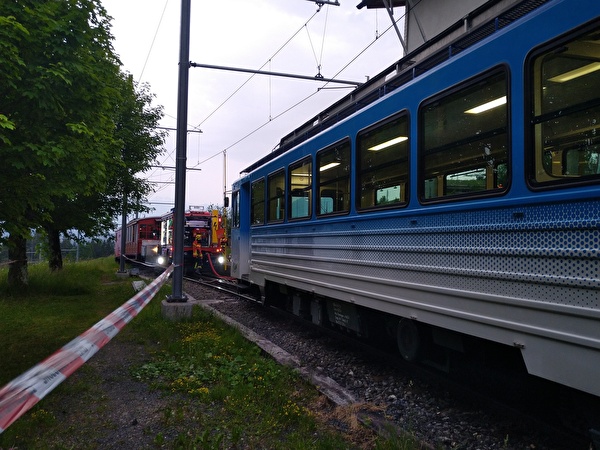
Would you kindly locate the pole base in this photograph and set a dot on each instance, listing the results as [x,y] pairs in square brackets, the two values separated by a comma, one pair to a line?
[176,311]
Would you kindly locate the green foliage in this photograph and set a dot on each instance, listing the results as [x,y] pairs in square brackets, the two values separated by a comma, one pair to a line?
[74,129]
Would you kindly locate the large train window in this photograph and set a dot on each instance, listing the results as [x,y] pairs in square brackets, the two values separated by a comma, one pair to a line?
[276,196]
[565,112]
[257,202]
[333,179]
[148,231]
[382,157]
[300,189]
[464,145]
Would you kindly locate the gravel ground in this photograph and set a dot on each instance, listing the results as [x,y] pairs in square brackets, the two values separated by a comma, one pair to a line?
[433,415]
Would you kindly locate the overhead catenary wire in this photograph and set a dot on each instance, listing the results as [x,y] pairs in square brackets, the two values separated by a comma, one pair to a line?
[319,59]
[271,119]
[153,40]
[323,41]
[253,75]
[257,129]
[295,105]
[268,62]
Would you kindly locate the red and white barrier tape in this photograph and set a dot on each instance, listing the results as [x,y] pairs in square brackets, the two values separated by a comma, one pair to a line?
[23,392]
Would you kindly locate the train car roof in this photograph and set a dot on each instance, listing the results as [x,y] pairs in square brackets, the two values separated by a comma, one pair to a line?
[406,69]
[139,219]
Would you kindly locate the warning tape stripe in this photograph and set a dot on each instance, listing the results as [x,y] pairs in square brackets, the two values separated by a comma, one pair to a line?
[18,396]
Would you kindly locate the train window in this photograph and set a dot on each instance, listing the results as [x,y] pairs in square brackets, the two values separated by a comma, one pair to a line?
[333,179]
[276,196]
[300,189]
[464,140]
[257,202]
[235,209]
[565,113]
[166,232]
[383,164]
[148,231]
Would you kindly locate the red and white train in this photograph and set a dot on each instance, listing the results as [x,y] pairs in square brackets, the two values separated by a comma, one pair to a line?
[142,239]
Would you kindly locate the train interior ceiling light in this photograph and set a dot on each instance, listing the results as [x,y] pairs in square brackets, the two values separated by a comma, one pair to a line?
[387,144]
[487,106]
[331,165]
[576,73]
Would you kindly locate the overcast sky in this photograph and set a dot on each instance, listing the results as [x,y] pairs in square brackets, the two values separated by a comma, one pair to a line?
[240,113]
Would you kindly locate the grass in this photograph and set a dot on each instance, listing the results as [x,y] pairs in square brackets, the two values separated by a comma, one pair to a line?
[55,308]
[228,393]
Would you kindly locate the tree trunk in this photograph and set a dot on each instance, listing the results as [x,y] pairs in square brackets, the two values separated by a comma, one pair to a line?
[17,255]
[55,261]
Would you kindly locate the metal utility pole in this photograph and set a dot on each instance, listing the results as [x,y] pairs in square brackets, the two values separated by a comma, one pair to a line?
[123,231]
[181,153]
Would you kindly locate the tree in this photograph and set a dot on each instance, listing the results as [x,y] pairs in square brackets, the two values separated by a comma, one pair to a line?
[139,143]
[57,123]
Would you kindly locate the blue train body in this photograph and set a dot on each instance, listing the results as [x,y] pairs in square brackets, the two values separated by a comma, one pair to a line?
[485,223]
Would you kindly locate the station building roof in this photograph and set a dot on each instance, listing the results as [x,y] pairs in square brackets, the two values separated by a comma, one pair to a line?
[370,4]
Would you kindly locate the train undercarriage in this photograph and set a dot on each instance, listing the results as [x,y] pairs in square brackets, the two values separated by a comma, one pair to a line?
[415,341]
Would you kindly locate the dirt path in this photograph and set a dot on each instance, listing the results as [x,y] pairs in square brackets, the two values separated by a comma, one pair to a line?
[111,410]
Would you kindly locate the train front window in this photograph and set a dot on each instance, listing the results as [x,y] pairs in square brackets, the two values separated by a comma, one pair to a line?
[464,140]
[257,203]
[276,190]
[300,189]
[383,164]
[333,179]
[565,113]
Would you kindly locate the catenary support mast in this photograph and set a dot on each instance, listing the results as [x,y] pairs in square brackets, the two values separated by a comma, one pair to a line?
[181,153]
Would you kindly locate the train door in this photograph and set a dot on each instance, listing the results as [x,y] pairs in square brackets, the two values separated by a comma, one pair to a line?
[240,232]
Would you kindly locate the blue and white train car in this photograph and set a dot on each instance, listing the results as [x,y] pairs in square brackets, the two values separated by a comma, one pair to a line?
[463,202]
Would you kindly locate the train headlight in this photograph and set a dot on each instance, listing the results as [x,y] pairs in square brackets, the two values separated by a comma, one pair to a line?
[221,259]
[161,260]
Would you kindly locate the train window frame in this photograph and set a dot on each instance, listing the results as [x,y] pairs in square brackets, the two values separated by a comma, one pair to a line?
[374,141]
[480,146]
[257,205]
[298,209]
[235,209]
[549,134]
[276,196]
[329,162]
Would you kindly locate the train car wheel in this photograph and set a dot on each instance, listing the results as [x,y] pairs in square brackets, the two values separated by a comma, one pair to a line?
[409,340]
